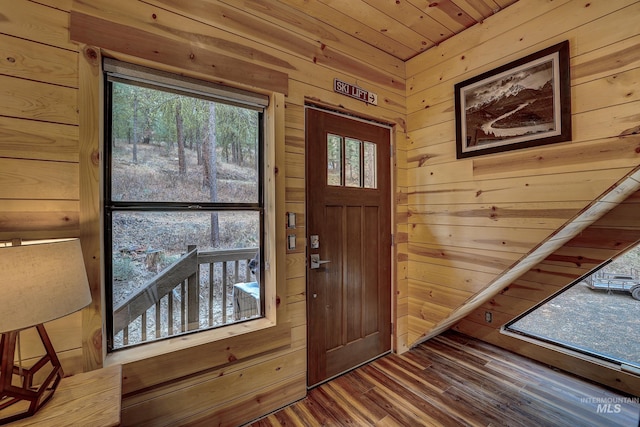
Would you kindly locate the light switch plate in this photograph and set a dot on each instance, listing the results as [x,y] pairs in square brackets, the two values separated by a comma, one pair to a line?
[291,220]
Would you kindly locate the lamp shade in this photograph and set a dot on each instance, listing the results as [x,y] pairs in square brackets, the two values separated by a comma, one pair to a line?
[40,283]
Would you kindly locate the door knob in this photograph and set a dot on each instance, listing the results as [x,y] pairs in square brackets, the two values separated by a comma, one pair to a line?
[316,262]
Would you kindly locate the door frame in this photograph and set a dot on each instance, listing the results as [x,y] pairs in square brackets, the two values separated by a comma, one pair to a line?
[393,228]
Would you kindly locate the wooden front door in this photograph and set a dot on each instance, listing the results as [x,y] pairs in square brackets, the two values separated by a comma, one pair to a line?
[348,243]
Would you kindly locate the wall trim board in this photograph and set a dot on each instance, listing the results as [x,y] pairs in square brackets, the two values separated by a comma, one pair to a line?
[169,366]
[90,131]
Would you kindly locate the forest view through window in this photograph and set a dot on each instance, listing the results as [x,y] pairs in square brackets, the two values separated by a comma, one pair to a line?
[598,315]
[183,206]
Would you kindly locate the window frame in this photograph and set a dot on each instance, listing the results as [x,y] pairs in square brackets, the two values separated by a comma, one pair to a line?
[132,74]
[588,354]
[343,141]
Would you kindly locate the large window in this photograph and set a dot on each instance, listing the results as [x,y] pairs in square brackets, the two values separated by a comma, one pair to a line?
[184,205]
[598,315]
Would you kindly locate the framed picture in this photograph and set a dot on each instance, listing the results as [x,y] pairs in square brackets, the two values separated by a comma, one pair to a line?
[522,104]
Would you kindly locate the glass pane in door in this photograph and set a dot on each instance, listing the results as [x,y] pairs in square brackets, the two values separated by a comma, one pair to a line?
[352,162]
[370,165]
[334,160]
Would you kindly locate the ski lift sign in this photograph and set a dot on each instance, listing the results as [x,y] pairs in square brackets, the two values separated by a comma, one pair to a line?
[354,92]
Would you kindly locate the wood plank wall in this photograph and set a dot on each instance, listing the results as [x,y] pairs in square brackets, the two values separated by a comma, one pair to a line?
[39,150]
[604,239]
[47,184]
[458,223]
[467,221]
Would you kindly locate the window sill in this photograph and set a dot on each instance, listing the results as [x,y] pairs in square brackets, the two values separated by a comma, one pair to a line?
[562,350]
[186,342]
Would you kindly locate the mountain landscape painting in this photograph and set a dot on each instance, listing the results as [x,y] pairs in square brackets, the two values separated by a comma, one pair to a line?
[513,106]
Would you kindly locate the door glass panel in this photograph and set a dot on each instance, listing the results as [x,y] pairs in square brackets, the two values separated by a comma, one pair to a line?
[334,160]
[352,162]
[370,165]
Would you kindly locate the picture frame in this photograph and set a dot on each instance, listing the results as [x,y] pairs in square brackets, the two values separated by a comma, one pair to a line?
[525,103]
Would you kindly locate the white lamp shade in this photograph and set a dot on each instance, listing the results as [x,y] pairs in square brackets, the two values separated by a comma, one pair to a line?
[40,283]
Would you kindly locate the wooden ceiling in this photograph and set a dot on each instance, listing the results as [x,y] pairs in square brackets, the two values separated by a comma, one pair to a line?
[401,28]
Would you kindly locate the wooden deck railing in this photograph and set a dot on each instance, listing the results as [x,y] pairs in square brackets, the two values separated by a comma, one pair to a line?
[183,296]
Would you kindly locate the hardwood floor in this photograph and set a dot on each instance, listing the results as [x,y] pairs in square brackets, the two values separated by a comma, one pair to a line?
[454,380]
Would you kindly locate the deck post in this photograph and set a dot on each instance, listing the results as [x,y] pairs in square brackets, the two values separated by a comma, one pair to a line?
[193,296]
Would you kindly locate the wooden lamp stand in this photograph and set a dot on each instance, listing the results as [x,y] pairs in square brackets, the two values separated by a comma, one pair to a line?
[24,400]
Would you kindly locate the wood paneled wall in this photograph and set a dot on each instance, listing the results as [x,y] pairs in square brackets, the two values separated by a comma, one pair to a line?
[39,150]
[468,221]
[458,223]
[49,169]
[614,232]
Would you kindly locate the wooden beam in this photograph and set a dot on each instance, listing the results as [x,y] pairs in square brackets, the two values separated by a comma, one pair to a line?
[142,44]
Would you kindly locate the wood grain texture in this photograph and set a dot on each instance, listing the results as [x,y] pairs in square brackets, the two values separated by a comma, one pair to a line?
[64,5]
[391,28]
[277,276]
[108,35]
[302,59]
[257,403]
[183,399]
[47,141]
[40,192]
[419,19]
[169,366]
[607,62]
[300,23]
[350,24]
[31,21]
[91,398]
[615,379]
[38,101]
[402,29]
[594,245]
[451,202]
[449,14]
[90,102]
[34,61]
[460,60]
[48,180]
[455,380]
[36,219]
[271,29]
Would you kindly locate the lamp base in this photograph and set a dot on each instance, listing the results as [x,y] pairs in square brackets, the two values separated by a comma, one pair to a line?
[19,397]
